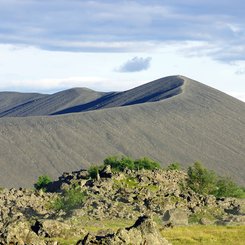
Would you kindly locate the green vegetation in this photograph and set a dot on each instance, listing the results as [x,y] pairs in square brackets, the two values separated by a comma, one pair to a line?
[120,165]
[184,235]
[201,180]
[208,234]
[210,214]
[205,182]
[146,163]
[128,182]
[92,226]
[174,166]
[70,199]
[227,188]
[179,235]
[93,171]
[42,182]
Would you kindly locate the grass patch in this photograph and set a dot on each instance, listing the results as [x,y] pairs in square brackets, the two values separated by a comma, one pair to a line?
[152,188]
[132,182]
[198,234]
[207,213]
[184,235]
[128,182]
[92,226]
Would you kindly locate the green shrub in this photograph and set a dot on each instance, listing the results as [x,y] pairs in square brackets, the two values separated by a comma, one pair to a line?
[70,199]
[204,181]
[227,188]
[93,171]
[119,164]
[146,163]
[201,180]
[128,163]
[174,166]
[42,182]
[112,161]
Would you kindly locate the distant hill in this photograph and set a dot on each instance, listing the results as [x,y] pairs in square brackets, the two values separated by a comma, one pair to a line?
[30,104]
[170,119]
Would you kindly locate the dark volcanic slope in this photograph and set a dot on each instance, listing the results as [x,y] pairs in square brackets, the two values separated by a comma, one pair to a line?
[154,91]
[21,104]
[80,99]
[199,123]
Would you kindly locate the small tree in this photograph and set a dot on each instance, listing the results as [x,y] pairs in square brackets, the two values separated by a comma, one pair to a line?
[201,180]
[42,182]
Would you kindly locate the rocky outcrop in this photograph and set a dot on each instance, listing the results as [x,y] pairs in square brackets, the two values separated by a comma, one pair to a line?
[27,216]
[143,232]
[17,207]
[19,232]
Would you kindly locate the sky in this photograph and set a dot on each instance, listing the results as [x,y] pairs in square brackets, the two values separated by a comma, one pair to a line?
[51,45]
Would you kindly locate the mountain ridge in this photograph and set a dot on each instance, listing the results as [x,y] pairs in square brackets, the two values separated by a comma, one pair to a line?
[84,99]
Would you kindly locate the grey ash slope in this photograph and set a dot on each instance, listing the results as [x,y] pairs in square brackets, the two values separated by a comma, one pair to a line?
[19,105]
[11,100]
[198,123]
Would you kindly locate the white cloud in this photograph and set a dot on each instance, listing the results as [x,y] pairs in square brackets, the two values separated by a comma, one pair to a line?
[122,26]
[135,64]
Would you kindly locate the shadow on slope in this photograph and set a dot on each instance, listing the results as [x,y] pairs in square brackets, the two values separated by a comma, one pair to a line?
[47,104]
[154,91]
[93,105]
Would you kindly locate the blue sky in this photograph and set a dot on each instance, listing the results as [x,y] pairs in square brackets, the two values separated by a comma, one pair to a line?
[50,45]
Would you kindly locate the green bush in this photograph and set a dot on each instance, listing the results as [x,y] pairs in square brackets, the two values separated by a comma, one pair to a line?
[128,163]
[201,180]
[93,171]
[112,161]
[42,182]
[227,188]
[174,166]
[204,181]
[146,163]
[119,164]
[70,199]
